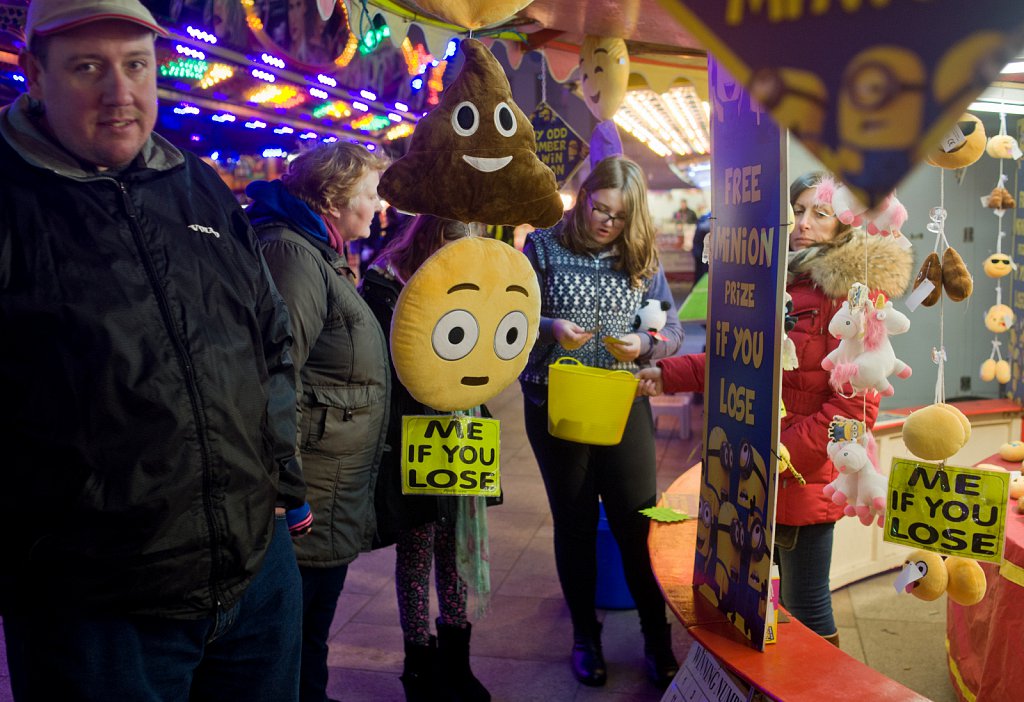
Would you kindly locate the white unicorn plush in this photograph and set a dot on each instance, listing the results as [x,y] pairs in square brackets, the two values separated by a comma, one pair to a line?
[847,207]
[865,358]
[859,489]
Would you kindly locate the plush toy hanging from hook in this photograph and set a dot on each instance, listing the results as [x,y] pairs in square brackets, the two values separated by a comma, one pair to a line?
[865,358]
[860,489]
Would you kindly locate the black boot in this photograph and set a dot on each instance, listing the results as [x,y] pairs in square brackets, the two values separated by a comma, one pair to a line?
[456,682]
[418,672]
[587,659]
[662,665]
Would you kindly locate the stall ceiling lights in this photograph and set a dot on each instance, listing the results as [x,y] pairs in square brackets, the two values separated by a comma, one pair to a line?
[671,122]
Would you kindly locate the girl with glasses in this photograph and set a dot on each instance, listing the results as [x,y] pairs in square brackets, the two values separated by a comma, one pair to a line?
[595,268]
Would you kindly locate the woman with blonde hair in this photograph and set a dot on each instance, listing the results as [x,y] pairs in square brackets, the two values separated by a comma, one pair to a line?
[304,222]
[595,268]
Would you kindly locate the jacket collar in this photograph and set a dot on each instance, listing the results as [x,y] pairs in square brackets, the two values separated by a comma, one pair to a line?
[30,142]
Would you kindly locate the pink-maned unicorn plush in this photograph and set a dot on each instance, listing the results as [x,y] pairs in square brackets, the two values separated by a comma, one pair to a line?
[865,358]
[887,218]
[847,207]
[860,489]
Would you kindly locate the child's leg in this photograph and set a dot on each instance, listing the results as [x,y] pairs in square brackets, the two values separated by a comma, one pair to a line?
[451,589]
[413,551]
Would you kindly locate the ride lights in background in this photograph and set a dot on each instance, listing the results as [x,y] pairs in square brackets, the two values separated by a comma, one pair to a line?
[272,61]
[378,32]
[201,35]
[673,122]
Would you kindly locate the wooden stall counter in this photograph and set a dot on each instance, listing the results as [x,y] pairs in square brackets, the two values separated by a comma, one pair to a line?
[802,666]
[984,642]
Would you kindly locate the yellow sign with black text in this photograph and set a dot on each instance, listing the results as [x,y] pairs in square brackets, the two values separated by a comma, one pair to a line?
[948,509]
[450,455]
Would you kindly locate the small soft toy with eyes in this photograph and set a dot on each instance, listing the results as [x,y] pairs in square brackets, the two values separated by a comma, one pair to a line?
[651,317]
[962,153]
[473,158]
[1003,146]
[999,318]
[998,265]
[960,578]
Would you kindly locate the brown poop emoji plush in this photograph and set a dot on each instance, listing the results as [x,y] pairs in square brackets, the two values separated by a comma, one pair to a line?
[473,158]
[949,274]
[1000,199]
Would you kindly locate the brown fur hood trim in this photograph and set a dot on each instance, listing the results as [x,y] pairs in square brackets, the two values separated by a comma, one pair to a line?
[834,269]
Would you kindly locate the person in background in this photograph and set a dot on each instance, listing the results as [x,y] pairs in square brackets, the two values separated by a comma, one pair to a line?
[148,362]
[304,221]
[825,258]
[700,234]
[448,530]
[684,215]
[595,268]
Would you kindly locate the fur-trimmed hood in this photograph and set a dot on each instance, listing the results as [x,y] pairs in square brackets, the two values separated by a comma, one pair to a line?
[833,269]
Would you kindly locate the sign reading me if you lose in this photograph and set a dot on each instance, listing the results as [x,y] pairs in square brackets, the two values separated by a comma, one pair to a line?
[950,510]
[450,455]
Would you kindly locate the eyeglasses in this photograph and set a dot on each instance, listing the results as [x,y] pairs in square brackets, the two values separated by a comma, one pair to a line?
[606,218]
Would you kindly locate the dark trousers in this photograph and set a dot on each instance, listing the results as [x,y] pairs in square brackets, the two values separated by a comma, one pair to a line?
[247,652]
[321,588]
[575,475]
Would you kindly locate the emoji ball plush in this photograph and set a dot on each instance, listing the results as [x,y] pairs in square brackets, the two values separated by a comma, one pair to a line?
[1003,146]
[998,265]
[936,432]
[933,583]
[995,370]
[967,583]
[966,152]
[1016,485]
[604,74]
[465,322]
[473,157]
[1012,451]
[1020,505]
[999,318]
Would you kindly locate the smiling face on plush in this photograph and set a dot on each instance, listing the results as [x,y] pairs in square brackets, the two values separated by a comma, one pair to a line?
[465,323]
[997,265]
[473,158]
[604,74]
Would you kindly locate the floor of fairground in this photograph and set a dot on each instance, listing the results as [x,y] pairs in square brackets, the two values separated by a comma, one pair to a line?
[520,648]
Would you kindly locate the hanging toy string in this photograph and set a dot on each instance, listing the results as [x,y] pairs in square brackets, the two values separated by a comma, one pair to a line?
[938,226]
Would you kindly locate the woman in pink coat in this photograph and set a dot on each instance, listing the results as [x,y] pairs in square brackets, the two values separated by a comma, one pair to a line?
[825,258]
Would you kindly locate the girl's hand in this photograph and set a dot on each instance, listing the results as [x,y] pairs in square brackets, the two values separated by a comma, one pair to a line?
[650,382]
[624,348]
[569,335]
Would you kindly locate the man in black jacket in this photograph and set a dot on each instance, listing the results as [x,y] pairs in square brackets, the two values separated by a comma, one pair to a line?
[150,431]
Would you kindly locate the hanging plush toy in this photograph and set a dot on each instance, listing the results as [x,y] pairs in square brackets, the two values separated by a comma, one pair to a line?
[604,74]
[998,265]
[999,199]
[473,157]
[860,489]
[473,14]
[865,358]
[887,218]
[962,147]
[465,322]
[961,578]
[999,318]
[847,208]
[936,432]
[949,274]
[1003,146]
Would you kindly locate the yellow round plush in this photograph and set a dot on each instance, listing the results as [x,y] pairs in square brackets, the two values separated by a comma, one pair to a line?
[967,584]
[1012,451]
[933,583]
[936,432]
[1016,486]
[999,318]
[967,152]
[988,370]
[1001,146]
[465,323]
[1002,371]
[997,265]
[473,14]
[604,74]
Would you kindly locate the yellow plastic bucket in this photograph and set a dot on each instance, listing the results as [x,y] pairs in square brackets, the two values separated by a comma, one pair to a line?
[586,404]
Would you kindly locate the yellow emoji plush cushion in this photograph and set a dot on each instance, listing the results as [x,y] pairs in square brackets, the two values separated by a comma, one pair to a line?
[966,152]
[936,432]
[464,324]
[474,157]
